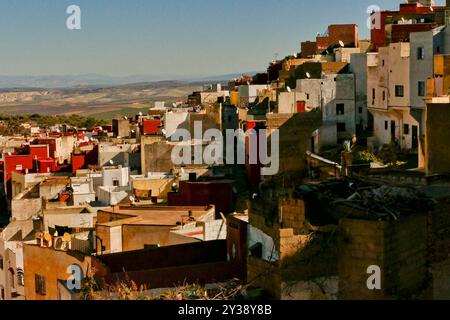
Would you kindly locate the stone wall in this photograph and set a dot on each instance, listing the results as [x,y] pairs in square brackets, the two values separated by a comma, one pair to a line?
[398,248]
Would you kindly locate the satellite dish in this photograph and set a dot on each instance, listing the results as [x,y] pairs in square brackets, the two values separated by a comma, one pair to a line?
[47,237]
[140,113]
[126,118]
[67,237]
[131,198]
[288,89]
[164,132]
[342,44]
[111,162]
[133,131]
[308,75]
[174,105]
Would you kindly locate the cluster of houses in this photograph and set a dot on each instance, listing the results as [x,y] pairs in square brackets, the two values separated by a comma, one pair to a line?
[110,202]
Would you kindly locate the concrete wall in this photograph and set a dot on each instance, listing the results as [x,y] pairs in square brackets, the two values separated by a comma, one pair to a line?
[51,190]
[358,67]
[295,137]
[303,261]
[399,74]
[421,70]
[111,195]
[135,237]
[248,93]
[121,128]
[120,174]
[437,156]
[157,157]
[398,248]
[52,265]
[158,187]
[71,220]
[345,54]
[174,121]
[119,154]
[24,209]
[327,93]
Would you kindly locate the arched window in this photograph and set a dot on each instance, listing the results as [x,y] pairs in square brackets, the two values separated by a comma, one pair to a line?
[1,262]
[2,293]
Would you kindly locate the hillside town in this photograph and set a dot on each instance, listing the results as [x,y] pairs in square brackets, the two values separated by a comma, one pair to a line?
[356,134]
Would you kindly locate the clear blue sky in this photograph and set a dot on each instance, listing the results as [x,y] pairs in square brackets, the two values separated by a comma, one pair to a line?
[164,37]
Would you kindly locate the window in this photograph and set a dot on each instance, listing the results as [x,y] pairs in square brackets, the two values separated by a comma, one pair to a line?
[373,95]
[438,49]
[340,109]
[384,95]
[115,183]
[360,110]
[20,277]
[383,62]
[420,53]
[406,129]
[386,125]
[399,91]
[421,88]
[340,127]
[39,282]
[1,262]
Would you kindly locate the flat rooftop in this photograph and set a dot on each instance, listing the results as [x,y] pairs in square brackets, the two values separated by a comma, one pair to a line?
[157,216]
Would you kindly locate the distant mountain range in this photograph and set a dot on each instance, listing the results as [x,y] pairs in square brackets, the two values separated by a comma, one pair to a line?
[86,80]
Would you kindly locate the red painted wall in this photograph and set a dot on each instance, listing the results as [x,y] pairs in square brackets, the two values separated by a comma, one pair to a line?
[347,33]
[46,165]
[39,152]
[51,145]
[78,162]
[219,194]
[150,127]
[11,165]
[378,36]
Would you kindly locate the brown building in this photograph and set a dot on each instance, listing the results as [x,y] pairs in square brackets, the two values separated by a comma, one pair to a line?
[132,228]
[295,137]
[46,268]
[437,155]
[335,34]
